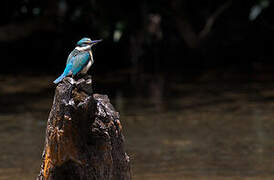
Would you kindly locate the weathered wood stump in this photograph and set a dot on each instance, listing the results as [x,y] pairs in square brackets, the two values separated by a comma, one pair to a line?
[83,136]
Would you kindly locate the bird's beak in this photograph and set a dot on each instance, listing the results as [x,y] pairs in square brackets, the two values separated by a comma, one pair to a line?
[95,41]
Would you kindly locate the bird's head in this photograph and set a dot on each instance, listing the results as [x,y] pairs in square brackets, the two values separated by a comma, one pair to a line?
[87,42]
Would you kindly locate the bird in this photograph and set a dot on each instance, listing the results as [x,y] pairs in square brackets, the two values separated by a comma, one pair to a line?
[79,60]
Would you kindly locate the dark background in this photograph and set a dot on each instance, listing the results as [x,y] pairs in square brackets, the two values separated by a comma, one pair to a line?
[185,37]
[192,80]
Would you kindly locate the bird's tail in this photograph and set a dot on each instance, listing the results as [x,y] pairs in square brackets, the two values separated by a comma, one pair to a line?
[60,78]
[65,73]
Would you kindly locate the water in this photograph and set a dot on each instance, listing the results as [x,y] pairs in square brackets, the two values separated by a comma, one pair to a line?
[190,131]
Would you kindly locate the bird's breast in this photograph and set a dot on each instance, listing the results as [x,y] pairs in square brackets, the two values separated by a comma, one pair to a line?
[91,56]
[86,68]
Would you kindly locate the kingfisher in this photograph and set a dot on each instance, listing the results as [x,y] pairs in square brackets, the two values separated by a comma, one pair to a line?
[79,60]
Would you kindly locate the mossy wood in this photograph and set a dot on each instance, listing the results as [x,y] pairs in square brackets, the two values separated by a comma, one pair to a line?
[83,136]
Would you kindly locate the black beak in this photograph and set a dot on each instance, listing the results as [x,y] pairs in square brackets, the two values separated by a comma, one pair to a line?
[96,41]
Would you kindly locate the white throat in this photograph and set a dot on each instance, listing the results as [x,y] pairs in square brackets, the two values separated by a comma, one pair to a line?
[85,48]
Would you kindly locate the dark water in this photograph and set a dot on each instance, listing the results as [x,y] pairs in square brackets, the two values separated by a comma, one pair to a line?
[190,131]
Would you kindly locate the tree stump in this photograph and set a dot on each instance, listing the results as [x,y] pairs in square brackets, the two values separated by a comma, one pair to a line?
[83,136]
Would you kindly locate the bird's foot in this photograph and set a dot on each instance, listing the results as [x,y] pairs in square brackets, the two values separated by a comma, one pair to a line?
[85,84]
[82,76]
[70,80]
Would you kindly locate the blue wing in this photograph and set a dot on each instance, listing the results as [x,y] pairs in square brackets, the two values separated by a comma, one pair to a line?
[73,53]
[76,61]
[79,61]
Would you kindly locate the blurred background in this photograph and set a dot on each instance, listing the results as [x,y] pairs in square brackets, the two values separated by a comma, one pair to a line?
[192,80]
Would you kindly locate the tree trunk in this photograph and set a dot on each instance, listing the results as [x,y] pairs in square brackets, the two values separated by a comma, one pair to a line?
[83,136]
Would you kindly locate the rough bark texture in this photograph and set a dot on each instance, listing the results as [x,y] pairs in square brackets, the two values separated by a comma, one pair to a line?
[83,137]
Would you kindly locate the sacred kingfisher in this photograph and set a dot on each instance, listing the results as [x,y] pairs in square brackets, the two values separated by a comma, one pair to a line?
[79,60]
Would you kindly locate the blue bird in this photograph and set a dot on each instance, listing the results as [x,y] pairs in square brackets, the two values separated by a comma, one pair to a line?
[79,60]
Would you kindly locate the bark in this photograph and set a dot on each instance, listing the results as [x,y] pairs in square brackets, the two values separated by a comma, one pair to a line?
[83,136]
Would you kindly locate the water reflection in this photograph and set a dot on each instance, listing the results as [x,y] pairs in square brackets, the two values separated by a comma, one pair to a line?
[191,131]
